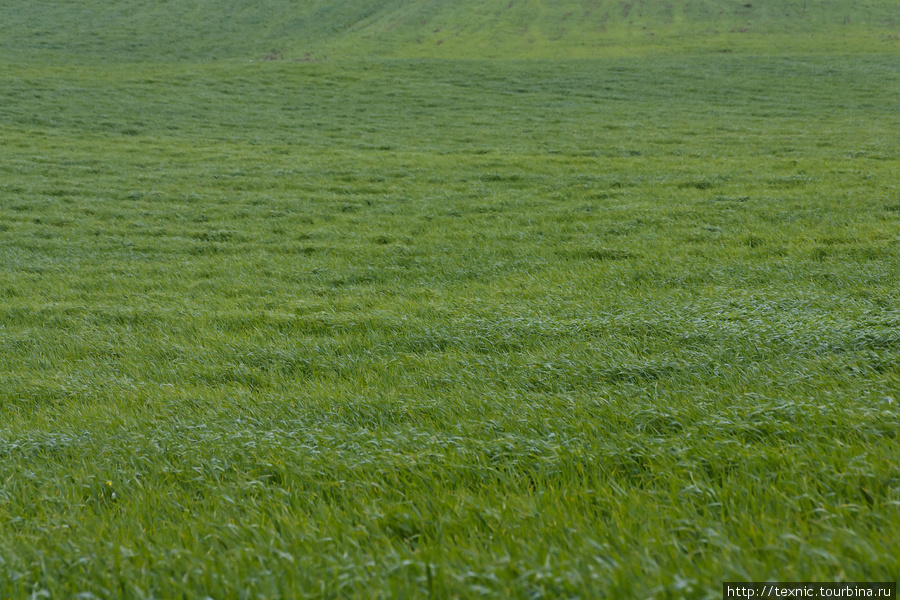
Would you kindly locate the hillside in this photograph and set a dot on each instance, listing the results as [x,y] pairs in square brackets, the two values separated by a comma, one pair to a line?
[393,321]
[202,30]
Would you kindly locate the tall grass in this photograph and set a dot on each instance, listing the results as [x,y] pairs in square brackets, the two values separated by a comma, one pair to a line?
[624,327]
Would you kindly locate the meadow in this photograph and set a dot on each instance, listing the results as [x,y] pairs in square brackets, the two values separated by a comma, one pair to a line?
[624,326]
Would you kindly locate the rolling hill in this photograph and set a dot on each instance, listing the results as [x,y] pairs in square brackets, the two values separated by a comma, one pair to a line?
[395,321]
[203,30]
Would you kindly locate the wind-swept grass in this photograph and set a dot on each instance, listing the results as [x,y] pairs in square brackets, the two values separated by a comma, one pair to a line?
[622,327]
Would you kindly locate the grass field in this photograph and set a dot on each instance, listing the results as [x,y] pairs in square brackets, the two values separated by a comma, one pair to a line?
[624,324]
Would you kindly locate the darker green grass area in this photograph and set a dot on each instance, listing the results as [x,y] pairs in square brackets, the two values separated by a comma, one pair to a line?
[558,328]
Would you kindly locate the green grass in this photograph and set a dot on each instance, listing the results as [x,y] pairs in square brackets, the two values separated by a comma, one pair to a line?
[622,326]
[205,30]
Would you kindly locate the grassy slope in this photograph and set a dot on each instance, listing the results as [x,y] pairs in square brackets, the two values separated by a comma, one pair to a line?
[202,30]
[620,327]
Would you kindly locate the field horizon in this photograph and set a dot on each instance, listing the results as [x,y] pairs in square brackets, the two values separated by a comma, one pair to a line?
[447,299]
